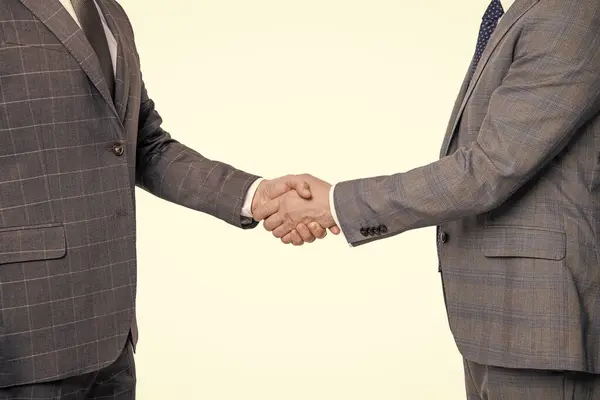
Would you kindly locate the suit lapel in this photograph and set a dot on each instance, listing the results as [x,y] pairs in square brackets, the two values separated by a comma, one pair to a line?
[123,76]
[457,105]
[52,14]
[508,20]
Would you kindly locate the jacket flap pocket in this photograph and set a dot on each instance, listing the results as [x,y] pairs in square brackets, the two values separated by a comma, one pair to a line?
[524,242]
[30,243]
[29,33]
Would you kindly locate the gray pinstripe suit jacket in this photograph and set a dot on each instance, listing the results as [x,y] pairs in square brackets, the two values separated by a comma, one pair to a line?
[516,194]
[70,159]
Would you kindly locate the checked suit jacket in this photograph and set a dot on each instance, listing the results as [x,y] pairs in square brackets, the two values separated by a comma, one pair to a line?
[515,195]
[70,159]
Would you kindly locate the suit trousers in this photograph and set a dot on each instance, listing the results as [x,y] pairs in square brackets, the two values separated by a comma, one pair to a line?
[485,382]
[115,382]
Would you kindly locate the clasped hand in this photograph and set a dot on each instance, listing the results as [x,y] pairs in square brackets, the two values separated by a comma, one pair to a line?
[295,208]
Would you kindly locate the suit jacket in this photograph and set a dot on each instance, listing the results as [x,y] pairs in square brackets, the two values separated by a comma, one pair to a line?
[70,159]
[515,195]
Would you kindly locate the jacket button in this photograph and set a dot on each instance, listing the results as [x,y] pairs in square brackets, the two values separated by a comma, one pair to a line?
[383,229]
[118,149]
[364,232]
[377,230]
[444,237]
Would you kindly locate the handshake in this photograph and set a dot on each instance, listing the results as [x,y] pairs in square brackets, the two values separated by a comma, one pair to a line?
[295,208]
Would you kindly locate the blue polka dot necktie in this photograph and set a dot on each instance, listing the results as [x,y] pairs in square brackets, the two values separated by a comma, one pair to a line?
[488,23]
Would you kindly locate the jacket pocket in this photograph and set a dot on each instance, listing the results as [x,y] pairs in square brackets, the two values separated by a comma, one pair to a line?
[32,243]
[23,33]
[526,242]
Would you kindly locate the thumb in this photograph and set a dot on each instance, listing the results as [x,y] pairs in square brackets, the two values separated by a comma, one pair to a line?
[335,230]
[300,186]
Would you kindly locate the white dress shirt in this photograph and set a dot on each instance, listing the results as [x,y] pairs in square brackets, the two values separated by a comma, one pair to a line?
[506,4]
[247,206]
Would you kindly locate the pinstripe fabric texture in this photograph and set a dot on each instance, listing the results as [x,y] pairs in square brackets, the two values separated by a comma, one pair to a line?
[70,160]
[515,194]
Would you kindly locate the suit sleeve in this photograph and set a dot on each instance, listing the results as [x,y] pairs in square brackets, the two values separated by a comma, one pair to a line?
[176,173]
[551,90]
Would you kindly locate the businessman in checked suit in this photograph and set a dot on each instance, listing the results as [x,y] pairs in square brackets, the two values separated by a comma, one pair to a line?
[516,199]
[78,132]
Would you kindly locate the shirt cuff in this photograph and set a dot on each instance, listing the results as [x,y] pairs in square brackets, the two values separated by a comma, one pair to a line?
[332,206]
[247,206]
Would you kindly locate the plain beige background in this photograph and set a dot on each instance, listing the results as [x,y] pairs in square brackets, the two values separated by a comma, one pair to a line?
[341,89]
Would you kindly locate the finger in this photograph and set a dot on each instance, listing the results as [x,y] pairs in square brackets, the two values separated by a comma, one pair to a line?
[296,239]
[266,210]
[273,222]
[305,233]
[300,185]
[287,239]
[335,230]
[283,229]
[317,230]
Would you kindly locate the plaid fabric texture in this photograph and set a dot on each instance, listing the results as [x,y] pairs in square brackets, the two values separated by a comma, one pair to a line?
[70,159]
[515,194]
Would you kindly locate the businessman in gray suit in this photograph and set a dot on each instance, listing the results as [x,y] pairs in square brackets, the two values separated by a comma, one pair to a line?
[78,133]
[516,199]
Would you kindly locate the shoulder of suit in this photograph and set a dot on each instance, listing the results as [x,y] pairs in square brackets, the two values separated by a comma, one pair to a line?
[115,7]
[580,10]
[120,13]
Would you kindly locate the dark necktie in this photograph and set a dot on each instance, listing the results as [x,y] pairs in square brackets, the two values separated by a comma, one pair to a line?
[488,23]
[90,21]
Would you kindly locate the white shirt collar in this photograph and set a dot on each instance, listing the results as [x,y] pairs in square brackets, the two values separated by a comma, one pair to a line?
[506,4]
